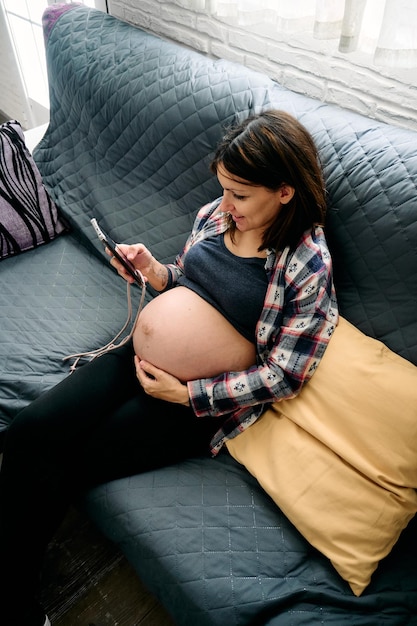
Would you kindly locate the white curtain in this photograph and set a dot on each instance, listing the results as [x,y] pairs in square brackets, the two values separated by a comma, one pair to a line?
[386,29]
[397,47]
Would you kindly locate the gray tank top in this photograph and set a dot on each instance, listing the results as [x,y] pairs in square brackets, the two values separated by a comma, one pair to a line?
[235,286]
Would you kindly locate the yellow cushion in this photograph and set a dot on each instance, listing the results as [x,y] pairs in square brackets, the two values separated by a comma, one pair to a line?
[340,459]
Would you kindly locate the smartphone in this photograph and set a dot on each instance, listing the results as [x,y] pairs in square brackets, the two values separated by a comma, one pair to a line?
[108,242]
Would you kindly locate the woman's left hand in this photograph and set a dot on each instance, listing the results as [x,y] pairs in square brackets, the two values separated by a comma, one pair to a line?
[160,384]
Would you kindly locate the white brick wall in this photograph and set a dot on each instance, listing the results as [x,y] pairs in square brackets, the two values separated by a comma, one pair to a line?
[344,80]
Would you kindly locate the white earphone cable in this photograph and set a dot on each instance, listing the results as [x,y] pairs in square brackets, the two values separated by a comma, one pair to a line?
[112,345]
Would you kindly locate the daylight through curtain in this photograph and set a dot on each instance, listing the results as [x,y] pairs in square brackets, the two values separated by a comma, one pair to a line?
[386,29]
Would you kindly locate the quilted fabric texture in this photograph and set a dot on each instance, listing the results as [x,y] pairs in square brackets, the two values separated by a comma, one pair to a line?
[141,118]
[61,300]
[219,552]
[134,120]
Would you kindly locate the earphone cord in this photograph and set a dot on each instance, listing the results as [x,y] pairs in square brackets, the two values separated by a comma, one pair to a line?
[112,345]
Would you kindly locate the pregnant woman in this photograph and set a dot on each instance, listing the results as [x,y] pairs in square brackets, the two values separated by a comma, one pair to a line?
[243,318]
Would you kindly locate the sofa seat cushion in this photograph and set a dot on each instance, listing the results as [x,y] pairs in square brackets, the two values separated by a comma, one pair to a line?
[54,301]
[217,550]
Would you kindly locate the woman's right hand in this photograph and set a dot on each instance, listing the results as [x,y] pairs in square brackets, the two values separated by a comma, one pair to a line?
[141,258]
[137,254]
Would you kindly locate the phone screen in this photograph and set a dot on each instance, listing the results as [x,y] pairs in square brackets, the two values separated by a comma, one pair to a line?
[109,243]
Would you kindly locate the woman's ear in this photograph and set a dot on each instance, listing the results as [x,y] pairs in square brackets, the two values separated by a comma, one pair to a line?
[286,193]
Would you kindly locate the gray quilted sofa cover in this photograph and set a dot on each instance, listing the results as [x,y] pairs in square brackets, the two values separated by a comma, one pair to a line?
[134,120]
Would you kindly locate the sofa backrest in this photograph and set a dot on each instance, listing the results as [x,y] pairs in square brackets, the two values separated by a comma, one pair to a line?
[134,120]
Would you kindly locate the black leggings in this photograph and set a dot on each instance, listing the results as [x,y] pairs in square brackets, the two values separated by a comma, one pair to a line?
[95,426]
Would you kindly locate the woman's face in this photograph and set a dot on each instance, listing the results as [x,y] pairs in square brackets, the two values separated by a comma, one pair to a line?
[252,208]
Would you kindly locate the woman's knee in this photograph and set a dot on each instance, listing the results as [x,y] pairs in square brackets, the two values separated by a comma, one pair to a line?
[25,431]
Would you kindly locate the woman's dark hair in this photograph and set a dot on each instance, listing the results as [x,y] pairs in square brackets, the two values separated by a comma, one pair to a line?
[269,150]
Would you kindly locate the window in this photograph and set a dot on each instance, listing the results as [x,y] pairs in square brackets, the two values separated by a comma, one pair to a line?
[24,18]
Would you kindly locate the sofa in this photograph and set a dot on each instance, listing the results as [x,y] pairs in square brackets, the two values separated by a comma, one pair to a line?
[134,120]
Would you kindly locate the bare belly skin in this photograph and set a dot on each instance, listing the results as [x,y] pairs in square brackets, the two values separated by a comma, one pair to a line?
[182,334]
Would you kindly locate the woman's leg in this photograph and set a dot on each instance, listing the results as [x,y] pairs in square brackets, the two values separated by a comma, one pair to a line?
[40,449]
[95,426]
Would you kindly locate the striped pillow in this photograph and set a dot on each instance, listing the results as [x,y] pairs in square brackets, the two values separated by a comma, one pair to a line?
[28,216]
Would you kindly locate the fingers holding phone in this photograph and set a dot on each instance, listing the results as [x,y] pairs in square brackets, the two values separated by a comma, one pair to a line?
[124,265]
[114,262]
[131,255]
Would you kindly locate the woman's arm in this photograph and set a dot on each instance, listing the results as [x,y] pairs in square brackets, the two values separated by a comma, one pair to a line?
[296,325]
[164,276]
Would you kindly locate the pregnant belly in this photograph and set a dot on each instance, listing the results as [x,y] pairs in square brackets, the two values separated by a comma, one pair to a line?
[182,334]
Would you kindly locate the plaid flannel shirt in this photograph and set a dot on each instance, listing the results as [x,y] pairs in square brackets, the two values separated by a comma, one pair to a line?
[297,321]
